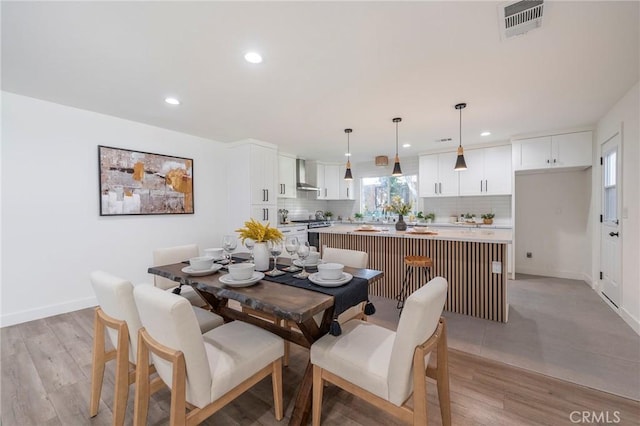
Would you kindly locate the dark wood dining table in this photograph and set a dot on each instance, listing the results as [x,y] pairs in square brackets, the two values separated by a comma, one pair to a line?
[282,301]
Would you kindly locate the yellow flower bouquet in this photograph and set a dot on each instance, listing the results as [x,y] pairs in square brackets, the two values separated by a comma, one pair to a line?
[258,232]
[398,206]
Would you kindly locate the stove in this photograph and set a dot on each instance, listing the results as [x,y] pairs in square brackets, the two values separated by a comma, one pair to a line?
[314,223]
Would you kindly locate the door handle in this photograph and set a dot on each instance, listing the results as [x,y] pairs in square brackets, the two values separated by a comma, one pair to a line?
[614,234]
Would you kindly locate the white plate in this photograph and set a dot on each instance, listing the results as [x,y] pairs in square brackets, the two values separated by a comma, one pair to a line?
[298,262]
[227,280]
[315,278]
[201,272]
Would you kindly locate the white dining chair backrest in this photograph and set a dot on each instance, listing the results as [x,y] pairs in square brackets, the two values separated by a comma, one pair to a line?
[418,321]
[170,320]
[350,258]
[115,296]
[169,255]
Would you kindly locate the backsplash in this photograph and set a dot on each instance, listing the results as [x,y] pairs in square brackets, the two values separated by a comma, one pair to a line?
[300,208]
[444,207]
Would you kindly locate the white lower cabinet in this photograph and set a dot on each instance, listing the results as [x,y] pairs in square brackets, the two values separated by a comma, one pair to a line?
[555,151]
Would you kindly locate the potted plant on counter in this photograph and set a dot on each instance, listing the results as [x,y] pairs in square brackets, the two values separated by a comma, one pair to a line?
[328,215]
[260,233]
[431,217]
[400,208]
[358,216]
[487,218]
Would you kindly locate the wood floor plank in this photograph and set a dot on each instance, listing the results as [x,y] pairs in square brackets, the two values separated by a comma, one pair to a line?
[44,382]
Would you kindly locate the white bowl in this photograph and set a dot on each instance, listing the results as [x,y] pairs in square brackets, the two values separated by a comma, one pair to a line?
[201,263]
[420,228]
[241,271]
[366,226]
[330,271]
[216,252]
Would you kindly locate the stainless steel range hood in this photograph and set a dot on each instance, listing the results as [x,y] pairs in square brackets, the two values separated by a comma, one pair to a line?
[301,177]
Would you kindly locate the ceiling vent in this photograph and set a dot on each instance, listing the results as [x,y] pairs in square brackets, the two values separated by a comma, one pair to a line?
[517,18]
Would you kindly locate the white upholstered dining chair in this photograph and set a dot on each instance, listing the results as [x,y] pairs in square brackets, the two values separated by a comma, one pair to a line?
[353,259]
[176,254]
[118,316]
[204,372]
[385,367]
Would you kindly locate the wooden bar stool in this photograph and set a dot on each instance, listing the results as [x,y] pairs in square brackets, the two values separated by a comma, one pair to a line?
[410,263]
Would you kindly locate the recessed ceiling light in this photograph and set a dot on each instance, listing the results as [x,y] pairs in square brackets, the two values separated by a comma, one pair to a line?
[253,57]
[485,133]
[406,145]
[172,101]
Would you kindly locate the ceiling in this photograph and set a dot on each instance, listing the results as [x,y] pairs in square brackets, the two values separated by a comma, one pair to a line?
[327,66]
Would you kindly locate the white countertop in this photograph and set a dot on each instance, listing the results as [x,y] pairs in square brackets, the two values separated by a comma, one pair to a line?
[480,235]
[436,225]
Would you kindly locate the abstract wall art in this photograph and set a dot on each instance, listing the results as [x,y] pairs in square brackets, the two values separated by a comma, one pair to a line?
[142,183]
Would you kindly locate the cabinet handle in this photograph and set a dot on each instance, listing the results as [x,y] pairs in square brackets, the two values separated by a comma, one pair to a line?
[548,161]
[480,186]
[267,191]
[347,192]
[325,193]
[435,188]
[284,188]
[486,185]
[554,160]
[440,188]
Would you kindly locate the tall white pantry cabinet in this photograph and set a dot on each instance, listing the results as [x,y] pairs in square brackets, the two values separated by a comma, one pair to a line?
[252,181]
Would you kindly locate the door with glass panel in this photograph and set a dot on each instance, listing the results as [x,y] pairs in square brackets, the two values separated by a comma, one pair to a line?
[610,227]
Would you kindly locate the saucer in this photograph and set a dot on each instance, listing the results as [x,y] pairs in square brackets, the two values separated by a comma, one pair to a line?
[201,272]
[298,262]
[230,282]
[367,230]
[315,278]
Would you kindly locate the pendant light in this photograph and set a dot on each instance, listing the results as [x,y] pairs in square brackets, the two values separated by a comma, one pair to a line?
[460,163]
[397,171]
[347,174]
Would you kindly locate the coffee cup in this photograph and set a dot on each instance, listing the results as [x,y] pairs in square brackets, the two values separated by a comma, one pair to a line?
[241,271]
[216,253]
[201,263]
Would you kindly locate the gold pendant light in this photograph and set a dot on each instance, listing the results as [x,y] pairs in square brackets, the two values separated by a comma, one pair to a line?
[397,171]
[347,174]
[460,163]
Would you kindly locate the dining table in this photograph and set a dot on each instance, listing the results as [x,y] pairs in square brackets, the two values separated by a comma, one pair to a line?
[287,303]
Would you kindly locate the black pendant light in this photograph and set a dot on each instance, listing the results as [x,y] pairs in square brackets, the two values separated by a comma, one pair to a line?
[460,163]
[347,174]
[397,171]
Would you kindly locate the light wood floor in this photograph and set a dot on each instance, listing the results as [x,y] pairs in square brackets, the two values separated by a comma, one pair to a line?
[46,368]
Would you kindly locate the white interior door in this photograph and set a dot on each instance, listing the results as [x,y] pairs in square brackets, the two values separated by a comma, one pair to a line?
[610,229]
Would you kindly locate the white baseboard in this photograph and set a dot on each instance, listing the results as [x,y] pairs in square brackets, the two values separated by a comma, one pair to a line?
[552,273]
[46,311]
[634,323]
[587,278]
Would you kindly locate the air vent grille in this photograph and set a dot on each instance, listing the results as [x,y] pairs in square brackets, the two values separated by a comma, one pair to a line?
[520,17]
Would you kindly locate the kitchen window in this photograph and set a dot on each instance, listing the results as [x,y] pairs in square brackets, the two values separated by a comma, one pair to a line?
[376,192]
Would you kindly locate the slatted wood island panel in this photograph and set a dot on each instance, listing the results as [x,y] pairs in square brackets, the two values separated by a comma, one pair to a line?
[463,258]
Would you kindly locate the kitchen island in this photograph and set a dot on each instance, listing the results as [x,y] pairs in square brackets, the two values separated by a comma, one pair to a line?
[473,261]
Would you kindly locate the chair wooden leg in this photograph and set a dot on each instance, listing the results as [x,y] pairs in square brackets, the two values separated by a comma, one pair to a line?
[178,414]
[276,382]
[442,374]
[141,401]
[122,379]
[318,388]
[97,365]
[419,389]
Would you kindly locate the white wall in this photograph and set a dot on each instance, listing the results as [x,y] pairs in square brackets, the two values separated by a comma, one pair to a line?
[625,113]
[52,233]
[551,219]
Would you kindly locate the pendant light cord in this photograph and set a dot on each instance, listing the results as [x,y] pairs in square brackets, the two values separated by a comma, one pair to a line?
[396,139]
[460,140]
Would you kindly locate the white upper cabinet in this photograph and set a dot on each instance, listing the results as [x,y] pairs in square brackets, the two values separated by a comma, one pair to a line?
[556,151]
[286,176]
[488,171]
[436,175]
[329,178]
[251,178]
